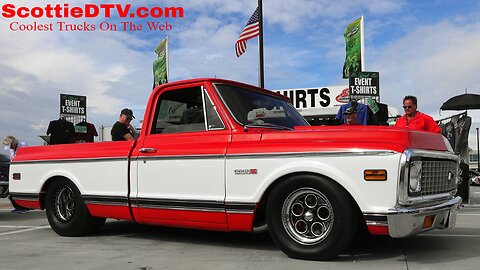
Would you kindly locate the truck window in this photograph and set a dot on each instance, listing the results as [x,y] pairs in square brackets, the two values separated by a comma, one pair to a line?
[179,111]
[213,119]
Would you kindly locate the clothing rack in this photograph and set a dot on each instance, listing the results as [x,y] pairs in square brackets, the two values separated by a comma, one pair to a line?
[447,119]
[74,118]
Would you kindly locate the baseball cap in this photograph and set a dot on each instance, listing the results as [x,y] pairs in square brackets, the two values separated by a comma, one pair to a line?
[350,110]
[128,113]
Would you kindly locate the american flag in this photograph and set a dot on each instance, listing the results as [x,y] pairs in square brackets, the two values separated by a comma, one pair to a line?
[251,30]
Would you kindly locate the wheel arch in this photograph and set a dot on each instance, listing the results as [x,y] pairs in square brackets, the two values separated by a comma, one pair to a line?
[260,211]
[48,183]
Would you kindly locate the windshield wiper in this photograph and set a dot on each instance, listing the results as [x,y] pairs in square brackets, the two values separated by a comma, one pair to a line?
[266,125]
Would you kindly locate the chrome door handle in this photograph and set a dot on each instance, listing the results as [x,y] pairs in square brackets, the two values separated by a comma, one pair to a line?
[148,150]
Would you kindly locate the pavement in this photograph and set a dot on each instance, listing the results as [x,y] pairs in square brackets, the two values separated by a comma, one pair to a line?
[27,242]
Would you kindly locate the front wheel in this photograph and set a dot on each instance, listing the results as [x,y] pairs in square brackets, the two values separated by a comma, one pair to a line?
[66,211]
[310,217]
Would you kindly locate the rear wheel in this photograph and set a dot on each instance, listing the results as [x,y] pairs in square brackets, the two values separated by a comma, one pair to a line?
[66,211]
[310,217]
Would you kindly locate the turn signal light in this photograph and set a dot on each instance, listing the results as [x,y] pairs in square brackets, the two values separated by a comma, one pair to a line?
[428,221]
[375,175]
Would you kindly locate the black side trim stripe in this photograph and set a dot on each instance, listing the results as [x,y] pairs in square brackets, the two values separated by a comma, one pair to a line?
[237,207]
[215,206]
[105,200]
[25,196]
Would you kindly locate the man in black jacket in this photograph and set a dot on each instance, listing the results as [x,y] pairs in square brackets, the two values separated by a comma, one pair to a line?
[122,130]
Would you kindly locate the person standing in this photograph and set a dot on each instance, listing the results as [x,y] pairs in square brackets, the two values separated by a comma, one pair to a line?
[122,130]
[13,144]
[413,119]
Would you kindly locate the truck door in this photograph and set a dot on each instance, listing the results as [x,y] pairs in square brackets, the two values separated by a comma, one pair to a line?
[181,163]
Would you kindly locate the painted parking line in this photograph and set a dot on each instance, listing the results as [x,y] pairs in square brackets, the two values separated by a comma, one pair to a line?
[32,228]
[449,235]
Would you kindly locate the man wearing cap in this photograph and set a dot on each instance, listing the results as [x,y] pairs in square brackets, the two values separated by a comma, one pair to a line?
[350,116]
[122,130]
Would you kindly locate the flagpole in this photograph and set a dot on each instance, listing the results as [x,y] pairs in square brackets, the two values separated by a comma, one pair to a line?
[260,46]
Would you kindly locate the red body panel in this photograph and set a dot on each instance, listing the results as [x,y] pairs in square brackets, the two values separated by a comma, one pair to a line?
[110,211]
[182,215]
[28,204]
[240,222]
[75,151]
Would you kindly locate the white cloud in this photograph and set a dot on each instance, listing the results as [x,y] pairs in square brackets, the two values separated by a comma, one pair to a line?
[435,62]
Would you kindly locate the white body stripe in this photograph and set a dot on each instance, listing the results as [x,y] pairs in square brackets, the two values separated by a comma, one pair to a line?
[108,178]
[186,179]
[346,170]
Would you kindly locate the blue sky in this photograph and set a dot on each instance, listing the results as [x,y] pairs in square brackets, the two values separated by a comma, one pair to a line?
[425,48]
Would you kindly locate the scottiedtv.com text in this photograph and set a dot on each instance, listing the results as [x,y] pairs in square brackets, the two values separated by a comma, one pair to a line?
[64,17]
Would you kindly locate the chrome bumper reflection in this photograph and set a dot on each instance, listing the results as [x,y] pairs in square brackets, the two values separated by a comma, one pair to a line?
[404,222]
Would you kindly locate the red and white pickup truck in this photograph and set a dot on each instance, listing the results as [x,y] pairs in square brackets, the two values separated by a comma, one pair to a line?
[221,155]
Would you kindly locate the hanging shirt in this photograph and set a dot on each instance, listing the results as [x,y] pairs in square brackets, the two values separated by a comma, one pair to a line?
[420,121]
[61,131]
[362,113]
[379,118]
[87,136]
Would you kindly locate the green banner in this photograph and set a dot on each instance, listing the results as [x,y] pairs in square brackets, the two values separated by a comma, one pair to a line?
[353,40]
[160,72]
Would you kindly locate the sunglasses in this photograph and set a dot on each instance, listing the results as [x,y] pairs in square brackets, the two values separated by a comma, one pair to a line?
[129,118]
[407,107]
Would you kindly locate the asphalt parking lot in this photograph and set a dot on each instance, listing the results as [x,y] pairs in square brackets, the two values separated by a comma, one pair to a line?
[27,242]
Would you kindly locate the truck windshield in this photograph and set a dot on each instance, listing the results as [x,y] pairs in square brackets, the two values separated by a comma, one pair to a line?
[253,108]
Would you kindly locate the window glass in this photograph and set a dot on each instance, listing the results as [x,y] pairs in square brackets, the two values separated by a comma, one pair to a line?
[254,108]
[179,111]
[213,119]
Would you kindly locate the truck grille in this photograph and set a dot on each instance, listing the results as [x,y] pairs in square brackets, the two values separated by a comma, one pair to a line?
[435,177]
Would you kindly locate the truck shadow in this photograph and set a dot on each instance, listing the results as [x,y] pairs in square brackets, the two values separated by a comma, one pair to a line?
[428,248]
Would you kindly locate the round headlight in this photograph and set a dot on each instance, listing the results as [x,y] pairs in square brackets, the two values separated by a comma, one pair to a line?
[415,176]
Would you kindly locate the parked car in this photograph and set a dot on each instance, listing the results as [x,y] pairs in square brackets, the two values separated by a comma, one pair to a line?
[4,166]
[474,178]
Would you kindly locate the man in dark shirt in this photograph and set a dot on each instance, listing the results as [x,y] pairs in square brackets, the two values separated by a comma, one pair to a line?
[122,130]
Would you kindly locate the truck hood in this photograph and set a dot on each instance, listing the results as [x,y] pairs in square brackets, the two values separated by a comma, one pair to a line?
[338,138]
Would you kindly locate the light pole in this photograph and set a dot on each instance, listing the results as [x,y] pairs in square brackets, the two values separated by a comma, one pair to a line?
[478,153]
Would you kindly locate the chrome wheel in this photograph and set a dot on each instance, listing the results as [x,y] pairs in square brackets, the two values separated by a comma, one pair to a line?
[64,204]
[307,216]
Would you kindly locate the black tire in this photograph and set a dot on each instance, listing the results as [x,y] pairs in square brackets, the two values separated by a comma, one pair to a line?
[66,211]
[311,217]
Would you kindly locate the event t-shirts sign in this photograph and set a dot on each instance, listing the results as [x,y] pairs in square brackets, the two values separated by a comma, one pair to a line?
[364,84]
[74,105]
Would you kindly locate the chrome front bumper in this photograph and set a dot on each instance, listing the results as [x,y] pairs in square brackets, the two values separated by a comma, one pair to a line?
[406,221]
